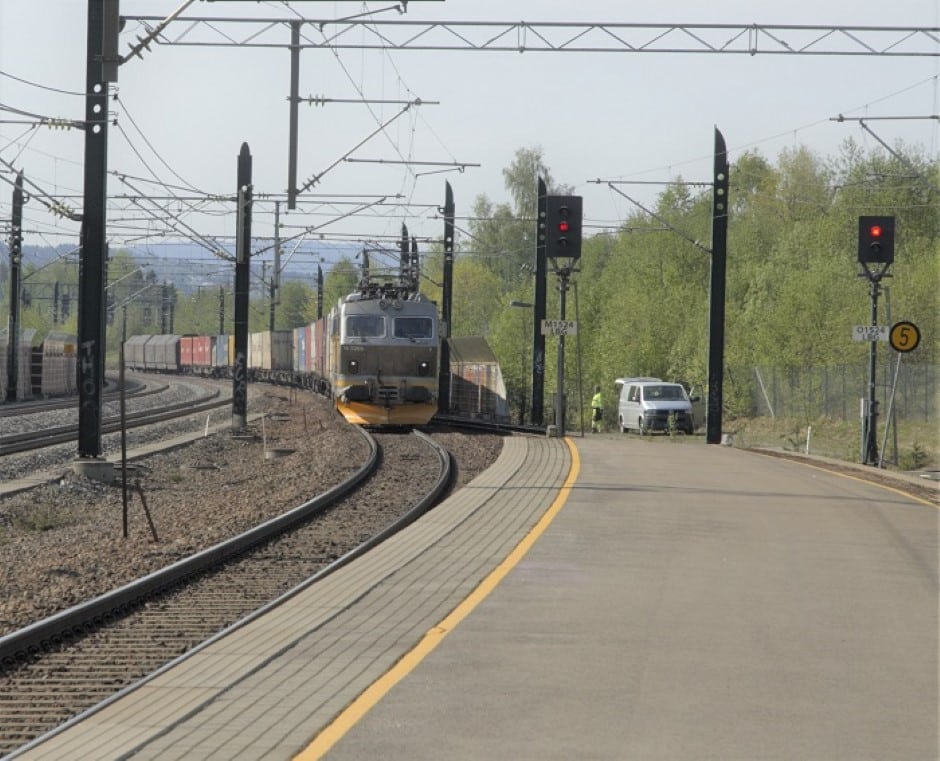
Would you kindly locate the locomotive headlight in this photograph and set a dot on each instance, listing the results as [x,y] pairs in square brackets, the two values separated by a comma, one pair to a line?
[424,368]
[353,366]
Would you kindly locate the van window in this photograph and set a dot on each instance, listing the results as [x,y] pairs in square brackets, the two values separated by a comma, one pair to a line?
[634,395]
[667,393]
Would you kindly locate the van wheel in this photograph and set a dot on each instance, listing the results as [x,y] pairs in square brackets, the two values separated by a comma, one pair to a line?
[623,428]
[642,428]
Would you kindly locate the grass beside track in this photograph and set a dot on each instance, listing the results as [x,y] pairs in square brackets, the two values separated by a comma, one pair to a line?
[918,444]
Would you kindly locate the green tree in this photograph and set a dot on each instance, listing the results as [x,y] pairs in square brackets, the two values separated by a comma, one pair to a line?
[503,235]
[198,313]
[340,280]
[477,298]
[295,298]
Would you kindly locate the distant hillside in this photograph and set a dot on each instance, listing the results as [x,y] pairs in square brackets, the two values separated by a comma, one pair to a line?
[190,267]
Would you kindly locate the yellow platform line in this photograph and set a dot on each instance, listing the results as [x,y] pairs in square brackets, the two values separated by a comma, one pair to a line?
[347,718]
[860,479]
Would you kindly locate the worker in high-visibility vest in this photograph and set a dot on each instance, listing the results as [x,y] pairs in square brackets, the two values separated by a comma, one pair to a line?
[597,410]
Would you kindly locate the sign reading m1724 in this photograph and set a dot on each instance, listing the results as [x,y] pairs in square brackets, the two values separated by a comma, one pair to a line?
[559,328]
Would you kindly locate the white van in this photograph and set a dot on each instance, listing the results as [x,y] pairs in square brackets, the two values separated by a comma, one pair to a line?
[646,404]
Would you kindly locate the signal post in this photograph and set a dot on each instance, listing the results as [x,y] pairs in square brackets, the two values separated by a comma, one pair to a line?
[875,255]
[560,230]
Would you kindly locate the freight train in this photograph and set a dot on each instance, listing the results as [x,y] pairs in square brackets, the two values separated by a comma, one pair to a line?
[375,354]
[46,366]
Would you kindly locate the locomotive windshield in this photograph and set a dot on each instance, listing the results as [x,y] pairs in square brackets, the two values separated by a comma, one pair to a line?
[413,327]
[365,325]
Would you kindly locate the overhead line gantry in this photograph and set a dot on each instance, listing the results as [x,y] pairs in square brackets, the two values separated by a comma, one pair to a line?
[558,36]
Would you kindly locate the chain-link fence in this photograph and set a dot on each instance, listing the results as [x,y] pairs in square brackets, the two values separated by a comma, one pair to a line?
[824,410]
[908,390]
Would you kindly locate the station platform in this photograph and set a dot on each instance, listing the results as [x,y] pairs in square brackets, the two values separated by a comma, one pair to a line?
[609,597]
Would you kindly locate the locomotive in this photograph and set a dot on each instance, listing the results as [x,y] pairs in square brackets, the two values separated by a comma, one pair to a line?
[383,357]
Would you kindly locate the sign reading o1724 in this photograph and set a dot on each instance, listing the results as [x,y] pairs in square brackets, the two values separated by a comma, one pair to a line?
[559,328]
[904,336]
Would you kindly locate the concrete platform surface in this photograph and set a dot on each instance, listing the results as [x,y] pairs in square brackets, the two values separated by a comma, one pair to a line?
[690,602]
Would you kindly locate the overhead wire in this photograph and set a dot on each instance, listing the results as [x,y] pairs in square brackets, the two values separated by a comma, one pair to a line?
[22,147]
[175,222]
[40,86]
[40,120]
[382,128]
[186,184]
[55,206]
[786,133]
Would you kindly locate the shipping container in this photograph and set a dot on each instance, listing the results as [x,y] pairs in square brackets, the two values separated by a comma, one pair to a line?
[318,364]
[270,350]
[186,351]
[134,352]
[311,349]
[202,351]
[223,350]
[477,388]
[162,353]
[300,349]
[59,365]
[24,346]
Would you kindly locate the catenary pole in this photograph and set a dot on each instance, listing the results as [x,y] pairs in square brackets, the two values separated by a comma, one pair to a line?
[447,300]
[538,311]
[242,285]
[94,253]
[716,307]
[16,256]
[275,275]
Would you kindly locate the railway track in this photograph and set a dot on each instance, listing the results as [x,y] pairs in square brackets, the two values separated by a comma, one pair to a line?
[62,666]
[29,440]
[134,390]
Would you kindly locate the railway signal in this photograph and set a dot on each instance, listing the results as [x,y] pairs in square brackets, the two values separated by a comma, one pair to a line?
[876,240]
[563,227]
[875,254]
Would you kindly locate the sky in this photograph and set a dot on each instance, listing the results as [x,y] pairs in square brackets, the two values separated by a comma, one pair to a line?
[183,112]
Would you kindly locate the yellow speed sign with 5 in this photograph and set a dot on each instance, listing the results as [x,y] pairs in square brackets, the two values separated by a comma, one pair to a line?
[904,336]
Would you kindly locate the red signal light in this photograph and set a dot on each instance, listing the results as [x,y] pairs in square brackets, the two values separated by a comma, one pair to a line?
[562,226]
[876,240]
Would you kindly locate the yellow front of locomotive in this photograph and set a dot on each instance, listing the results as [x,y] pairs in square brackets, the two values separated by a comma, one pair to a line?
[385,355]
